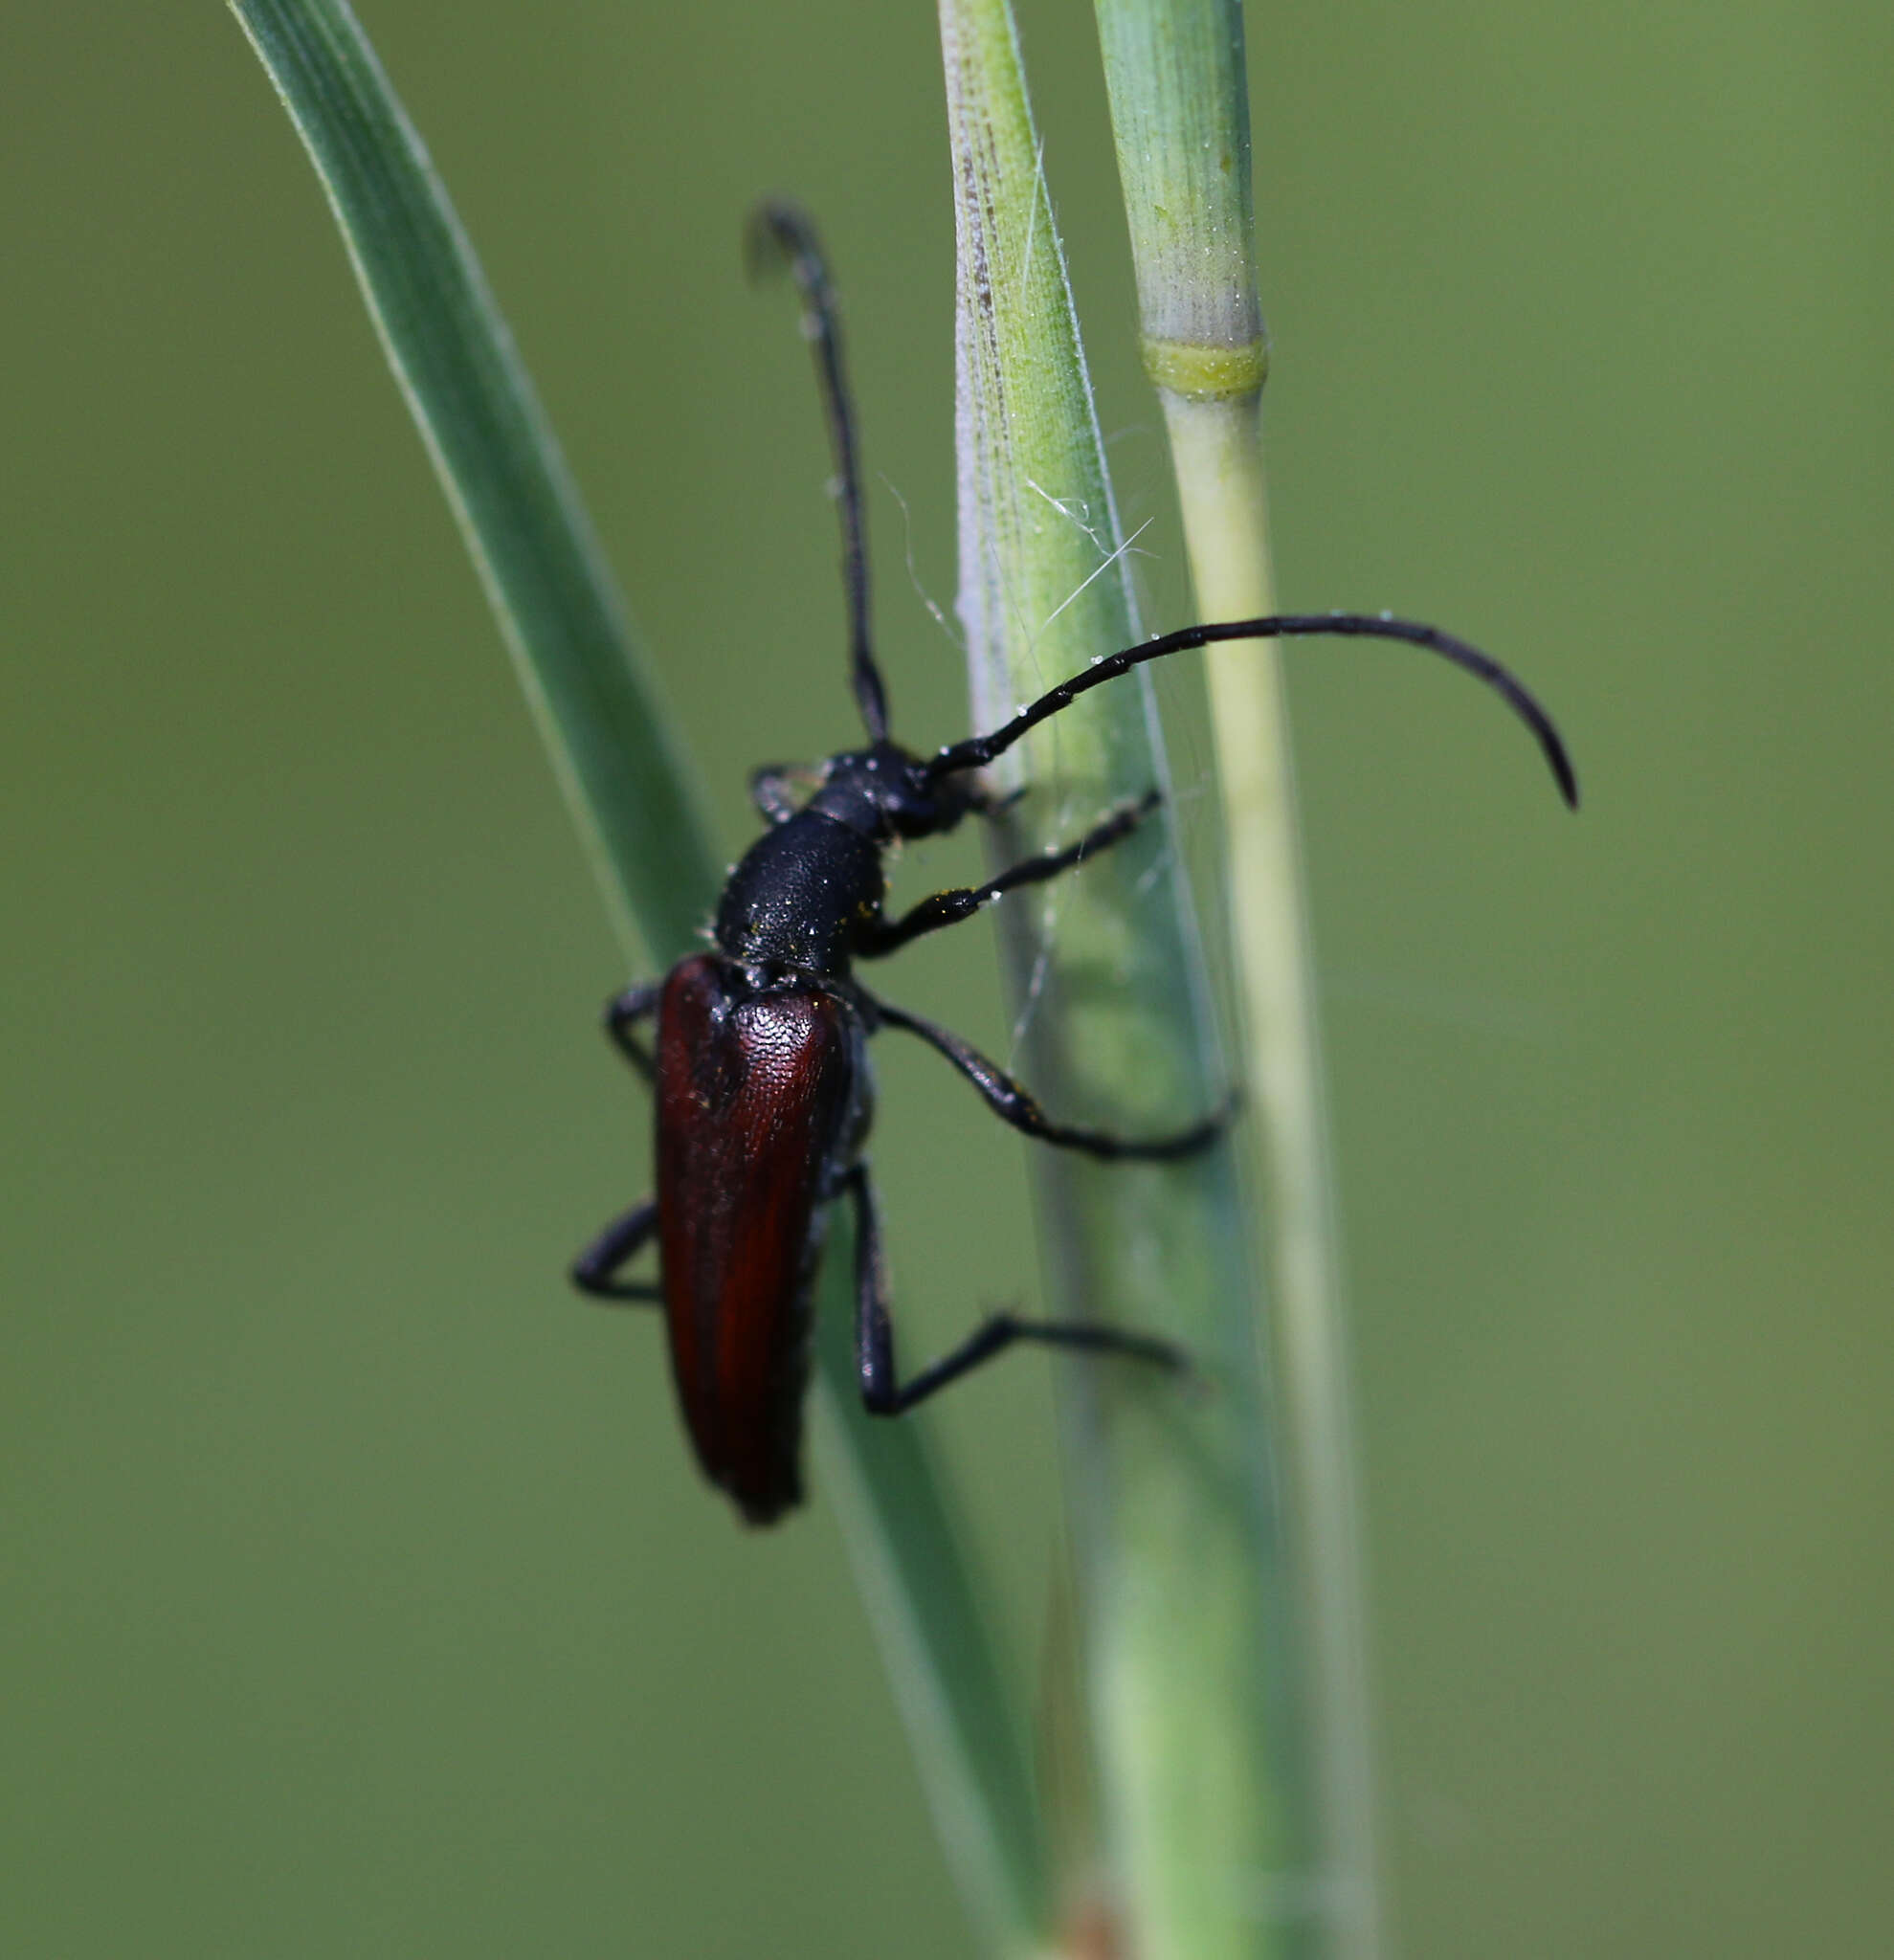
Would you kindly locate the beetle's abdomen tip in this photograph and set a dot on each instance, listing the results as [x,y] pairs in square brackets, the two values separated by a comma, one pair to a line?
[769,1507]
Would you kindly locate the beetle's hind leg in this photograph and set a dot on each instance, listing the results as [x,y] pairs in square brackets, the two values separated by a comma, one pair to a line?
[623,1011]
[950,907]
[596,1269]
[1012,1103]
[883,1393]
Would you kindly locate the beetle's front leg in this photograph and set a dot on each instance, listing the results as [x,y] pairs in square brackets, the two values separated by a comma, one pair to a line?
[884,1393]
[949,908]
[623,1011]
[596,1269]
[770,790]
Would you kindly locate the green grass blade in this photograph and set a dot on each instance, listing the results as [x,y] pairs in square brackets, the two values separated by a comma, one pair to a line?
[905,1546]
[1181,1580]
[643,820]
[530,537]
[1178,84]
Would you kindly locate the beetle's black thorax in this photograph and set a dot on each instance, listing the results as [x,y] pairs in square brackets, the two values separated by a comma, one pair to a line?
[808,892]
[798,895]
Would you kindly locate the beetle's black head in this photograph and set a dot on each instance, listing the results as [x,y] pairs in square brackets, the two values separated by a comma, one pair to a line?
[884,793]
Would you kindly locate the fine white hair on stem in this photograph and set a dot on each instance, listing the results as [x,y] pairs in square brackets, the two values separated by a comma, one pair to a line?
[1078,590]
[921,591]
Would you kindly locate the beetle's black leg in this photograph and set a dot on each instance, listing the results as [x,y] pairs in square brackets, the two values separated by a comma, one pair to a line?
[623,1011]
[1011,1104]
[595,1269]
[950,907]
[883,1393]
[769,790]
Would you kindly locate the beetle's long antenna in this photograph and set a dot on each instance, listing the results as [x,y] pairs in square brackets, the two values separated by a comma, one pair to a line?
[784,231]
[979,749]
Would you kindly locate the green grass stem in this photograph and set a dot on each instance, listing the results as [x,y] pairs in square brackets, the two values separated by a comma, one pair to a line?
[1177,75]
[591,692]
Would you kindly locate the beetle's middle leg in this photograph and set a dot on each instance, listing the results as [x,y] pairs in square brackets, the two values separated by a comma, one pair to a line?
[596,1269]
[950,907]
[884,1393]
[1013,1104]
[623,1011]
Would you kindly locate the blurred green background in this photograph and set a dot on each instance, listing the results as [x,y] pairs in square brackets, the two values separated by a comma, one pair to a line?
[358,1596]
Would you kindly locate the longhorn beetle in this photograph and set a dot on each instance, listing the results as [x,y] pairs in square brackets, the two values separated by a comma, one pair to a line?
[760,1066]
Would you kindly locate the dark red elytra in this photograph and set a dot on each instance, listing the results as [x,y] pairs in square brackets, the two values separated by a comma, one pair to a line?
[760,1073]
[753,1092]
